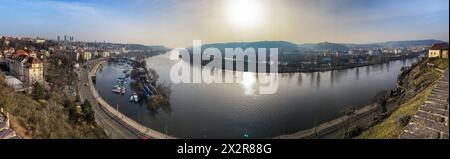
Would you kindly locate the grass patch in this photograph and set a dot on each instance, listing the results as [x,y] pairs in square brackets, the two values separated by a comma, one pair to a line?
[390,128]
[439,63]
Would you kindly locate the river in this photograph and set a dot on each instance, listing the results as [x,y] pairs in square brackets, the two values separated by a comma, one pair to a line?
[232,110]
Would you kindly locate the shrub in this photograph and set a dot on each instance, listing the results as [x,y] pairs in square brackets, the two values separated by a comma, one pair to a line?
[88,113]
[404,120]
[38,91]
[353,132]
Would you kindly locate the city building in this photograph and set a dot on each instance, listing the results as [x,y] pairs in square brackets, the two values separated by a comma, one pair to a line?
[2,57]
[39,40]
[26,67]
[103,53]
[34,71]
[439,50]
[87,55]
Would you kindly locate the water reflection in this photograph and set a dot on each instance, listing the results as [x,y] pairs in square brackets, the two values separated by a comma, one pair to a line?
[300,79]
[318,80]
[357,73]
[228,110]
[332,77]
[248,83]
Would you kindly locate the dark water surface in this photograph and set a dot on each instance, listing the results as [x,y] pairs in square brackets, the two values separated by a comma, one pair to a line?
[231,110]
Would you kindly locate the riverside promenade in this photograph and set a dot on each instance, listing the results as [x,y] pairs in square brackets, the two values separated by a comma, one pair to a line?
[135,127]
[327,129]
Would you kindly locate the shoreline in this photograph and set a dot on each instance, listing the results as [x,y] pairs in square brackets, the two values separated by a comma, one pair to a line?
[330,126]
[294,69]
[333,125]
[347,66]
[118,116]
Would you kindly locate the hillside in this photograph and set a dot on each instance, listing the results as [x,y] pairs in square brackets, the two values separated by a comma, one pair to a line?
[326,46]
[283,46]
[43,118]
[411,43]
[417,83]
[291,48]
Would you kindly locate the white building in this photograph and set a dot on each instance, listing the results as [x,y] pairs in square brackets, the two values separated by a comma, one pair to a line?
[87,56]
[2,57]
[438,51]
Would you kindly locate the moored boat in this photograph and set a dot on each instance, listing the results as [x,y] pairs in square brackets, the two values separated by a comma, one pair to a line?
[116,90]
[131,98]
[123,90]
[135,97]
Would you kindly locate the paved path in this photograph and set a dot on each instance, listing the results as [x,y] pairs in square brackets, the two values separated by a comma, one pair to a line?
[332,126]
[431,120]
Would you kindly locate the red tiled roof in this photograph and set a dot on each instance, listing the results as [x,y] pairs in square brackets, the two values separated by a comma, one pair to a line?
[32,60]
[440,46]
[21,52]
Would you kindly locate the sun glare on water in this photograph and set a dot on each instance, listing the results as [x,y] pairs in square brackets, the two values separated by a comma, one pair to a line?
[244,13]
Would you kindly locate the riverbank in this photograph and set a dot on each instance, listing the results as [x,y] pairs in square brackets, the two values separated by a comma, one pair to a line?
[288,69]
[418,84]
[123,119]
[349,126]
[330,129]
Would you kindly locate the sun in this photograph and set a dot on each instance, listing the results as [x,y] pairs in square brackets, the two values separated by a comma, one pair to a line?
[244,13]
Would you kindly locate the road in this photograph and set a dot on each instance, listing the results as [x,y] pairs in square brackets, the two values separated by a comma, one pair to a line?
[111,126]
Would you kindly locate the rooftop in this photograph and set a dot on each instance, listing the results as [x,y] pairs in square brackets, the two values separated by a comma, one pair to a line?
[440,46]
[14,83]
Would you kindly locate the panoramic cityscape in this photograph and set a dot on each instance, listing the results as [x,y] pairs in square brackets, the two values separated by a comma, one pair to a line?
[224,69]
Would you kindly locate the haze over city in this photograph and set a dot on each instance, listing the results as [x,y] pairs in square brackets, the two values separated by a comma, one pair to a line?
[175,23]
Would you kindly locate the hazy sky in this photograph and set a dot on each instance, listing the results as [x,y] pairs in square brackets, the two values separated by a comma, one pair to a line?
[175,23]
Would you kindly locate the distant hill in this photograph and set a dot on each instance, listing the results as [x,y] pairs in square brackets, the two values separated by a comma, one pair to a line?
[411,43]
[283,46]
[363,46]
[326,46]
[389,44]
[307,45]
[158,48]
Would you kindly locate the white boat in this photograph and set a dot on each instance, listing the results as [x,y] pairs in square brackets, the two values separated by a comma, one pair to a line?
[123,90]
[132,98]
[116,90]
[135,97]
